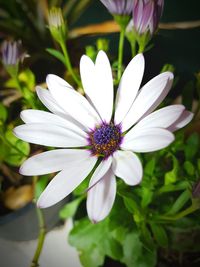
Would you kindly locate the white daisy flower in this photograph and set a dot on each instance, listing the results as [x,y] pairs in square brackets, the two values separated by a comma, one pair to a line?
[94,127]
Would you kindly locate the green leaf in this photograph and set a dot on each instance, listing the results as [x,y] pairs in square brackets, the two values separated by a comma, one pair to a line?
[135,254]
[171,176]
[70,209]
[111,247]
[27,77]
[88,237]
[147,196]
[159,234]
[180,202]
[85,233]
[57,54]
[192,146]
[189,168]
[130,204]
[3,113]
[94,257]
[41,185]
[150,167]
[17,151]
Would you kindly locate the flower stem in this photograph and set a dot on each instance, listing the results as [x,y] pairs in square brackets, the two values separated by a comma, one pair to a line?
[120,53]
[179,215]
[68,64]
[42,231]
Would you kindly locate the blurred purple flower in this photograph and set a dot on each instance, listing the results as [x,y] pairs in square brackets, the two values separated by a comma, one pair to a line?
[12,52]
[118,7]
[146,15]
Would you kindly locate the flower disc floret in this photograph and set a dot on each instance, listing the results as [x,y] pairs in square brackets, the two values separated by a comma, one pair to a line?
[105,139]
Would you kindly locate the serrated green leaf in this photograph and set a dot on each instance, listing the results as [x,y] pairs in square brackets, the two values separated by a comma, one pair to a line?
[135,254]
[94,257]
[57,54]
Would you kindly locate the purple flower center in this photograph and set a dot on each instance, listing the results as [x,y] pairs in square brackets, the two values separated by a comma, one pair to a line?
[105,140]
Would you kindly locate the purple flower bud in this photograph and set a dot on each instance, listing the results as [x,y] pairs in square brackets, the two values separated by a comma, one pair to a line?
[12,53]
[118,7]
[146,15]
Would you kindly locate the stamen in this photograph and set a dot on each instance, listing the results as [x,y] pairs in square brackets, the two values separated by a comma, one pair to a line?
[105,140]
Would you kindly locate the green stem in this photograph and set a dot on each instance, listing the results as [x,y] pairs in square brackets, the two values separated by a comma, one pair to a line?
[68,64]
[42,232]
[120,53]
[179,215]
[133,48]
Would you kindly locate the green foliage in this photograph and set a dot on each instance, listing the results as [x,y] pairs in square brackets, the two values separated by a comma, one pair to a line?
[57,54]
[13,151]
[70,209]
[3,114]
[40,186]
[135,254]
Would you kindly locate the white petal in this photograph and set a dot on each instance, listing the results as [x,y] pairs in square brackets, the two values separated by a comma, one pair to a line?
[128,87]
[39,116]
[104,92]
[99,172]
[65,182]
[53,161]
[57,82]
[49,135]
[182,121]
[101,197]
[149,97]
[161,118]
[148,140]
[98,84]
[74,104]
[48,101]
[127,166]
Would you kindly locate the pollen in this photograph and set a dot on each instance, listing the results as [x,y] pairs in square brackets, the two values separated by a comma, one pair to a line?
[105,139]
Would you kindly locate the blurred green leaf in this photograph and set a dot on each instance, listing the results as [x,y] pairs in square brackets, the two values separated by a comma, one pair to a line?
[159,234]
[147,196]
[189,168]
[70,209]
[172,176]
[135,254]
[27,78]
[57,54]
[150,167]
[41,184]
[3,113]
[18,150]
[95,238]
[192,146]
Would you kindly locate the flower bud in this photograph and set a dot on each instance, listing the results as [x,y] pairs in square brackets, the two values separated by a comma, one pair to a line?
[12,54]
[56,24]
[146,15]
[118,7]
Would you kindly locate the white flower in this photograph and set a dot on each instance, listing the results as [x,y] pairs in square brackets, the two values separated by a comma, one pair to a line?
[77,122]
